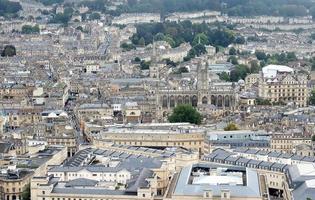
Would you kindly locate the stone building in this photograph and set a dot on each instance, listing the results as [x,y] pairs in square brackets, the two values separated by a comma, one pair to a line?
[204,93]
[280,84]
[13,183]
[151,135]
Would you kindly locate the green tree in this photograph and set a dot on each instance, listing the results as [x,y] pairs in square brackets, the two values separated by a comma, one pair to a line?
[312,98]
[312,12]
[50,2]
[159,37]
[232,51]
[231,127]
[200,38]
[254,67]
[127,47]
[27,29]
[260,101]
[8,51]
[141,42]
[137,59]
[313,66]
[95,16]
[9,7]
[80,28]
[292,10]
[185,113]
[199,49]
[233,60]
[313,138]
[239,72]
[26,194]
[239,40]
[224,76]
[169,40]
[291,56]
[144,65]
[183,70]
[260,55]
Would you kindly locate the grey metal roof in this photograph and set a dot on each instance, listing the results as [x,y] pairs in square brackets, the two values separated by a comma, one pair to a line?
[129,164]
[183,188]
[297,157]
[265,164]
[274,154]
[232,158]
[309,159]
[81,182]
[285,155]
[305,191]
[87,191]
[140,181]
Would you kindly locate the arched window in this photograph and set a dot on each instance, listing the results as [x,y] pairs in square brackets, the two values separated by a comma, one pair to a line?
[204,100]
[194,101]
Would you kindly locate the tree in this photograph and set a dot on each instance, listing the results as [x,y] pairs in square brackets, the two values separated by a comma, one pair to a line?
[233,60]
[183,70]
[291,56]
[8,51]
[199,49]
[9,7]
[159,37]
[312,12]
[292,10]
[170,41]
[26,194]
[50,2]
[260,101]
[260,55]
[239,40]
[312,98]
[224,76]
[27,29]
[141,42]
[254,67]
[144,65]
[313,66]
[127,47]
[232,51]
[239,72]
[80,28]
[137,59]
[95,16]
[313,138]
[200,38]
[231,127]
[185,113]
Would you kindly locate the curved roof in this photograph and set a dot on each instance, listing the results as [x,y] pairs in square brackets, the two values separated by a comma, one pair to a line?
[270,71]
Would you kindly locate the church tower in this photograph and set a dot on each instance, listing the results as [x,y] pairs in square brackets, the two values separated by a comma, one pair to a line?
[154,67]
[203,82]
[202,76]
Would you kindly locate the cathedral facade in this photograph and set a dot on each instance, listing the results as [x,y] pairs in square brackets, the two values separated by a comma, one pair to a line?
[220,95]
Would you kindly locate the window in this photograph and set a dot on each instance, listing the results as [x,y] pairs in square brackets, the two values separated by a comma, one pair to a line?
[43,192]
[143,195]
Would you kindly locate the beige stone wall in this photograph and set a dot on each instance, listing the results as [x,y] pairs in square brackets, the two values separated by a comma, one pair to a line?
[10,188]
[193,141]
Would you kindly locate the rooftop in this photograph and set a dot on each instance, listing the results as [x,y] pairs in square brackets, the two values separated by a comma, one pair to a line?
[248,188]
[271,71]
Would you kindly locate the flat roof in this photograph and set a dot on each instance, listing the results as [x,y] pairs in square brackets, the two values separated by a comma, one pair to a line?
[183,188]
